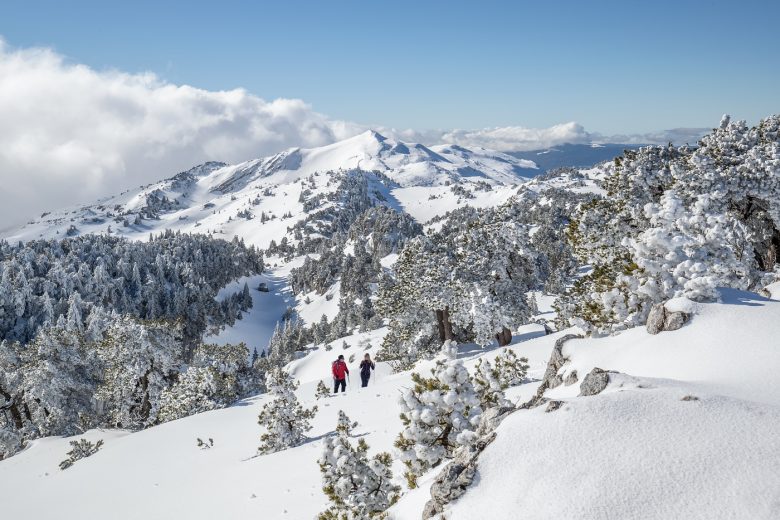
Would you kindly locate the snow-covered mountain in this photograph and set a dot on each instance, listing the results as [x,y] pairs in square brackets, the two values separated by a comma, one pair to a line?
[207,198]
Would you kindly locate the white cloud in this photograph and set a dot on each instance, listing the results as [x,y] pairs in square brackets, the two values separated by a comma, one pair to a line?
[517,138]
[69,134]
[678,136]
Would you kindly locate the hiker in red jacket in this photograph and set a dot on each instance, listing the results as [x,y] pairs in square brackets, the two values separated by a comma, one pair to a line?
[340,373]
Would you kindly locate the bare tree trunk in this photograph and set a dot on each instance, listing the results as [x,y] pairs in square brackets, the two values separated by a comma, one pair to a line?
[504,337]
[448,335]
[16,416]
[440,324]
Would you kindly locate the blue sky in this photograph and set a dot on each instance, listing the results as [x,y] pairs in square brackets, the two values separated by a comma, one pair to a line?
[614,67]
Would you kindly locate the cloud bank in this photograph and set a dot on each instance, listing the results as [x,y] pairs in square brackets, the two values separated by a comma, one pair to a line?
[69,133]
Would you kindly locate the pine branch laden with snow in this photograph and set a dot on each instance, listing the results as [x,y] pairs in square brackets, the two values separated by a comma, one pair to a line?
[439,415]
[357,487]
[491,379]
[284,419]
[488,386]
[80,449]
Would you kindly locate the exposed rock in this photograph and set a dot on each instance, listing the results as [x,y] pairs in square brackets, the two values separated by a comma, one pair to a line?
[660,319]
[656,318]
[553,405]
[595,382]
[491,418]
[551,378]
[689,398]
[675,320]
[451,483]
[533,403]
[571,378]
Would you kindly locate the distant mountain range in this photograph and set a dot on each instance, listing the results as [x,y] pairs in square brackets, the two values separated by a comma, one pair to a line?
[574,155]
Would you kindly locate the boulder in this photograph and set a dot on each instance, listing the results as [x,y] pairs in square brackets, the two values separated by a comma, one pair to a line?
[656,318]
[595,382]
[571,378]
[661,319]
[675,320]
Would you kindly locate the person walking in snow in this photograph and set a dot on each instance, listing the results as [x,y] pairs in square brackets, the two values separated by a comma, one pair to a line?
[366,366]
[340,373]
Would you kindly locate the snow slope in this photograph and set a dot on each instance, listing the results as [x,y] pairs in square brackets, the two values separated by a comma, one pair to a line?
[690,428]
[634,451]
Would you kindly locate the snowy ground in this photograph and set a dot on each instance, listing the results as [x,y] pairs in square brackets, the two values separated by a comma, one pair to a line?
[635,451]
[696,435]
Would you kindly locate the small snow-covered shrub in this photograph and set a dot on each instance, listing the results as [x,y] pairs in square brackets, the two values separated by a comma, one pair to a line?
[510,369]
[345,424]
[284,419]
[439,414]
[80,449]
[322,390]
[358,487]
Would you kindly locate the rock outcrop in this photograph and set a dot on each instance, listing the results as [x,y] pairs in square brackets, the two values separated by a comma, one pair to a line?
[451,483]
[595,382]
[660,319]
[551,378]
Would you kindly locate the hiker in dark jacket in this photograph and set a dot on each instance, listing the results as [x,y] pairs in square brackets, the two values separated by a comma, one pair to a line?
[340,372]
[366,366]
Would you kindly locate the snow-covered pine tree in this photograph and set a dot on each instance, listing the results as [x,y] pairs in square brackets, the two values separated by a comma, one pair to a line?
[322,390]
[488,386]
[358,488]
[470,280]
[689,252]
[439,414]
[141,360]
[729,182]
[344,425]
[192,393]
[510,369]
[284,419]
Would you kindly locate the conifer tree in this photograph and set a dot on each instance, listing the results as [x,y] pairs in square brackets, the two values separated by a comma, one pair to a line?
[358,487]
[439,414]
[322,390]
[284,418]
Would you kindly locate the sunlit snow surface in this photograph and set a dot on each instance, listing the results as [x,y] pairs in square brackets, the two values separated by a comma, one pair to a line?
[635,451]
